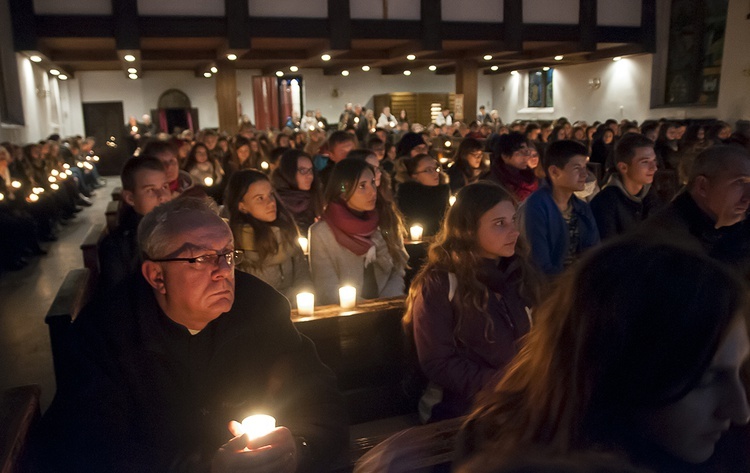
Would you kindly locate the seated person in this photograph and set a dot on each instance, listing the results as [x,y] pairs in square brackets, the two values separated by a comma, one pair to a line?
[168,154]
[509,164]
[298,188]
[468,164]
[170,357]
[465,307]
[265,231]
[628,198]
[334,150]
[558,225]
[643,361]
[144,186]
[421,195]
[710,214]
[348,246]
[205,170]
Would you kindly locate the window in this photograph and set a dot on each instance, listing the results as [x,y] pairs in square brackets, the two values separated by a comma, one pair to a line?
[540,88]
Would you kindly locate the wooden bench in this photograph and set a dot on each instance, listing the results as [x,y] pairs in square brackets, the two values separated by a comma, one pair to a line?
[90,249]
[116,193]
[73,294]
[365,349]
[19,411]
[113,208]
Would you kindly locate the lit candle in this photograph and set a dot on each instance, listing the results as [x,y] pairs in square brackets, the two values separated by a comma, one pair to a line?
[305,303]
[16,184]
[209,181]
[258,425]
[2,197]
[53,186]
[51,179]
[416,232]
[54,172]
[33,198]
[264,165]
[303,244]
[348,297]
[66,166]
[452,200]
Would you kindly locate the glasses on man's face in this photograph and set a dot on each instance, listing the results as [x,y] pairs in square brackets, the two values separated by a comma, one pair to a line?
[524,151]
[305,171]
[430,170]
[205,261]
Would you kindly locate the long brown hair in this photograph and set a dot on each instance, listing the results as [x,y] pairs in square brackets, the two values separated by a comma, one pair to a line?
[456,250]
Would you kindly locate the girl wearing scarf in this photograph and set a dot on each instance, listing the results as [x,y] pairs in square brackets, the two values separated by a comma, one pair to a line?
[348,246]
[266,232]
[298,188]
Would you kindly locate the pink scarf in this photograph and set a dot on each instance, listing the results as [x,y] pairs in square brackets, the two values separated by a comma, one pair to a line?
[351,232]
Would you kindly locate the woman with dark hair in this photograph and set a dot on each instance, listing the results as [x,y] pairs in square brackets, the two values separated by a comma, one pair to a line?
[348,246]
[266,232]
[422,195]
[298,188]
[637,352]
[238,157]
[603,148]
[467,306]
[205,170]
[468,164]
[509,157]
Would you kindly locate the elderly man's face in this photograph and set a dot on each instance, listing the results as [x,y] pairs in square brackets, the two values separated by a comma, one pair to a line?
[727,196]
[194,294]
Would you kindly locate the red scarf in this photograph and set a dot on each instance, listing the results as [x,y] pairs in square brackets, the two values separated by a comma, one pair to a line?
[351,232]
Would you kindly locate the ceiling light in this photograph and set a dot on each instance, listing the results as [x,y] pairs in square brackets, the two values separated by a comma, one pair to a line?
[433,68]
[206,74]
[494,68]
[558,58]
[129,57]
[411,57]
[407,73]
[514,73]
[132,70]
[232,57]
[344,73]
[35,58]
[62,77]
[279,74]
[294,68]
[54,72]
[326,57]
[365,68]
[545,68]
[487,57]
[214,70]
[133,76]
[616,58]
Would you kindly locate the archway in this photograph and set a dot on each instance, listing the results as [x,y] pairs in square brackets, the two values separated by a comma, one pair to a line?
[175,112]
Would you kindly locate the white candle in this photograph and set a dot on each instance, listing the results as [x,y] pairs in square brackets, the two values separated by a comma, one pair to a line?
[452,200]
[305,303]
[416,232]
[303,244]
[348,297]
[258,425]
[208,181]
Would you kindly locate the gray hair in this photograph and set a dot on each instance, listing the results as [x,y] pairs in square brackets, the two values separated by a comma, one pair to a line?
[157,227]
[712,161]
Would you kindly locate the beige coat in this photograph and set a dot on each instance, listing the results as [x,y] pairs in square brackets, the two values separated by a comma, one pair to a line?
[334,266]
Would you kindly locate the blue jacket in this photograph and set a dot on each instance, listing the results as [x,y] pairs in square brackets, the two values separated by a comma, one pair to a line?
[544,227]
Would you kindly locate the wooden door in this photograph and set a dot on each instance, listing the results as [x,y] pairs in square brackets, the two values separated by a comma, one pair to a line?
[105,121]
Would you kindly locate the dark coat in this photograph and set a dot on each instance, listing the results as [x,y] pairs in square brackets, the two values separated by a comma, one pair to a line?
[617,213]
[425,205]
[119,256]
[149,396]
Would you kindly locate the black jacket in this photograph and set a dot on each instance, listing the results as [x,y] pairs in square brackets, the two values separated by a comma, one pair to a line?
[425,205]
[118,252]
[149,396]
[617,212]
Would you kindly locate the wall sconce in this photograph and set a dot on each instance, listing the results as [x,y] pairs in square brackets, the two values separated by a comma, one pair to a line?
[595,83]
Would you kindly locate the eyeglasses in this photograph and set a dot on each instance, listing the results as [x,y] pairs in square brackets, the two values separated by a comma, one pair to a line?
[305,171]
[524,151]
[430,170]
[203,261]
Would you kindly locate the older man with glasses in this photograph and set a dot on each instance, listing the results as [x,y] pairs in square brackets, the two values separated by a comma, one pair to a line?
[170,360]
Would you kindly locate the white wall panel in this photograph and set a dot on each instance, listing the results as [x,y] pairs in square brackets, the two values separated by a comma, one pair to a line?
[79,7]
[618,13]
[181,7]
[289,8]
[404,9]
[366,9]
[478,10]
[558,12]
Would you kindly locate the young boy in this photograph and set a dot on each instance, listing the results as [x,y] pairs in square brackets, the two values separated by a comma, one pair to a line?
[558,225]
[628,198]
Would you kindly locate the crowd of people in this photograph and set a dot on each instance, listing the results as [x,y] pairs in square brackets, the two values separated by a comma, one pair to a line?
[565,304]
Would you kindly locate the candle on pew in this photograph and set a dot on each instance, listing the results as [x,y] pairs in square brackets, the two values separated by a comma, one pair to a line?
[348,297]
[305,303]
[303,243]
[416,232]
[258,425]
[452,200]
[208,181]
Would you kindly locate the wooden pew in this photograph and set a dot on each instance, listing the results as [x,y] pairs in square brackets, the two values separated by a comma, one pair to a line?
[19,411]
[116,193]
[113,207]
[90,249]
[73,294]
[365,349]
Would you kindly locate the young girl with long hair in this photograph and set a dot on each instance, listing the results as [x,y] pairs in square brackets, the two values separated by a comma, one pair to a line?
[298,187]
[641,352]
[348,246]
[468,164]
[204,169]
[467,307]
[422,195]
[267,234]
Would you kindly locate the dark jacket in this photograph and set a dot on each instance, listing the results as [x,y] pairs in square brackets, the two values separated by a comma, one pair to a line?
[465,362]
[545,229]
[425,205]
[149,396]
[617,211]
[118,252]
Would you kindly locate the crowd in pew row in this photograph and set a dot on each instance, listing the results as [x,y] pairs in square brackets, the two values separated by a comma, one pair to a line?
[554,344]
